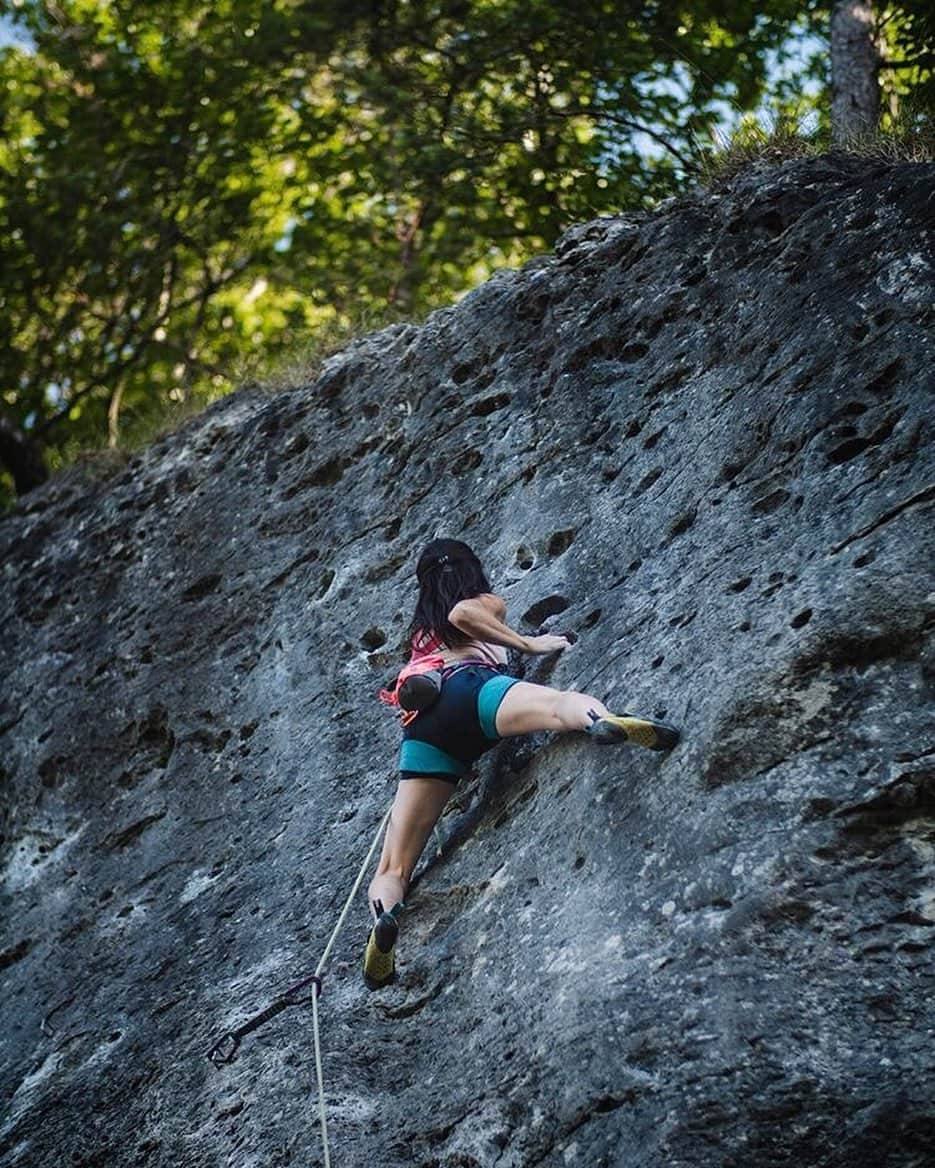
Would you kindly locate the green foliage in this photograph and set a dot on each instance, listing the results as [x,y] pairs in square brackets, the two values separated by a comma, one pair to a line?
[779,138]
[907,42]
[191,189]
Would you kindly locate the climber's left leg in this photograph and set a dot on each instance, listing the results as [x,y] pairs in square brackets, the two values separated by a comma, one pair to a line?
[419,802]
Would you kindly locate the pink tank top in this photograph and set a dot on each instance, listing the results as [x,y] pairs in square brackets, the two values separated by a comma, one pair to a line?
[429,644]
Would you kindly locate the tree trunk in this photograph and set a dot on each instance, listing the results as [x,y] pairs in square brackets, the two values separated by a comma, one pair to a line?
[113,416]
[855,91]
[22,457]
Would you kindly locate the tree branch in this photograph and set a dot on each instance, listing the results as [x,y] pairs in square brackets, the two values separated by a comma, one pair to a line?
[596,113]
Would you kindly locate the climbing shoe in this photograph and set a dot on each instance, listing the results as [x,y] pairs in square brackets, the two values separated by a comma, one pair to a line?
[379,957]
[617,728]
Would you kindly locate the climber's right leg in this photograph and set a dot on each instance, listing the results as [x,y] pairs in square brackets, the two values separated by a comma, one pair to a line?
[526,707]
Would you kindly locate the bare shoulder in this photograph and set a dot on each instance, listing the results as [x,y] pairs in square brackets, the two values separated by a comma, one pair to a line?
[496,604]
[493,604]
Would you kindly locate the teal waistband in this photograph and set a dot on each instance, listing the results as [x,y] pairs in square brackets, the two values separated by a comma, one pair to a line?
[427,759]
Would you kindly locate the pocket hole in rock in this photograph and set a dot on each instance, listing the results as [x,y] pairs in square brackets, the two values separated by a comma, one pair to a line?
[543,609]
[296,445]
[326,475]
[560,542]
[325,583]
[801,619]
[865,559]
[483,409]
[682,524]
[460,373]
[591,619]
[885,378]
[741,584]
[469,460]
[770,502]
[202,587]
[373,638]
[848,450]
[647,480]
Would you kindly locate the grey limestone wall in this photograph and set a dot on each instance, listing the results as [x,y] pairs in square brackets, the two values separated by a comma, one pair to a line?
[696,439]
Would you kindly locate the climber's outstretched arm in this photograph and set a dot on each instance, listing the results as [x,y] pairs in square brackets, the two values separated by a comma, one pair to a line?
[481,618]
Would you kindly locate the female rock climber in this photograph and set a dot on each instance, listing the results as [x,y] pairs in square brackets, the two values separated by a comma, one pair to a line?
[459,628]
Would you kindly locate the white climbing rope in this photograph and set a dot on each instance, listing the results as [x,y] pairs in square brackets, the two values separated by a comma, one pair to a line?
[323,1116]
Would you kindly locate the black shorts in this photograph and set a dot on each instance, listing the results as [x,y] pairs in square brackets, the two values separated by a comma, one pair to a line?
[445,740]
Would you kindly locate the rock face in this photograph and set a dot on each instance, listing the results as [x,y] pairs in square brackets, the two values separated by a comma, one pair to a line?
[696,439]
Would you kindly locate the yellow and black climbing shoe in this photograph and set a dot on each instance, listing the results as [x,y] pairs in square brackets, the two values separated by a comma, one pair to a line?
[617,728]
[379,957]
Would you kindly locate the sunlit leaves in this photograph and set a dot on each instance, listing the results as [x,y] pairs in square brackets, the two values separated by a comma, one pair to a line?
[187,185]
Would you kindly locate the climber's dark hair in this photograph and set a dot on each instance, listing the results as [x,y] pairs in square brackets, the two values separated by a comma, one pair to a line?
[447,571]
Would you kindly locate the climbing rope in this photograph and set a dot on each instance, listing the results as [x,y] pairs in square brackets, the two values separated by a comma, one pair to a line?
[225,1048]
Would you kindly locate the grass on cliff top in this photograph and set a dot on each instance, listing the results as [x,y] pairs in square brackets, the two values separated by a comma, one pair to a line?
[906,139]
[784,138]
[302,363]
[909,139]
[299,365]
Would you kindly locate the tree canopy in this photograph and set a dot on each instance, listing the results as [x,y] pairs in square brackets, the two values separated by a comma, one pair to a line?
[185,184]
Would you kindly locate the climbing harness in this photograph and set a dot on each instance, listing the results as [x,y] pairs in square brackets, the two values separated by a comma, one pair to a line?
[225,1048]
[420,683]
